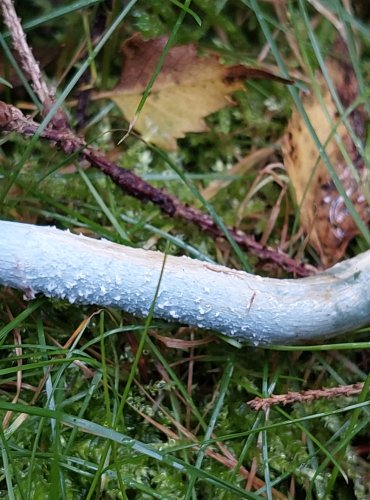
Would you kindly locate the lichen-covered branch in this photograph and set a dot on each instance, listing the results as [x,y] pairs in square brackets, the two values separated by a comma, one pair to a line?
[257,310]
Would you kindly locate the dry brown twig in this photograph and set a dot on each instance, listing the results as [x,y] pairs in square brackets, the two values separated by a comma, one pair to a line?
[305,396]
[30,65]
[12,119]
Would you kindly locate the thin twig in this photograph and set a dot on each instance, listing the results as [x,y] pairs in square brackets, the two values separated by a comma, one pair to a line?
[305,396]
[12,119]
[29,64]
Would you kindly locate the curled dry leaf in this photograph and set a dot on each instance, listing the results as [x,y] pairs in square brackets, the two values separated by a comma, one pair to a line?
[323,212]
[188,88]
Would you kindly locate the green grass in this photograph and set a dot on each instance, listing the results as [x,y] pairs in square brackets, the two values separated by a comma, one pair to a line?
[106,407]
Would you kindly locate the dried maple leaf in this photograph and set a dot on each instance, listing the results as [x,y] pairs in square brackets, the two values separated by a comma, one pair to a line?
[188,88]
[324,215]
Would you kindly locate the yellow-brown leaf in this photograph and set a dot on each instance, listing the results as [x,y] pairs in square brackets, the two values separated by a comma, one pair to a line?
[323,213]
[188,88]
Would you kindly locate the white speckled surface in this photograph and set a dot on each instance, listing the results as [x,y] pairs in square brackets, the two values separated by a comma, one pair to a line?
[257,310]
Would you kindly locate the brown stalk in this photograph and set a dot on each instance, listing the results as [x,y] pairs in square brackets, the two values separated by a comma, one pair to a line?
[12,120]
[30,65]
[305,396]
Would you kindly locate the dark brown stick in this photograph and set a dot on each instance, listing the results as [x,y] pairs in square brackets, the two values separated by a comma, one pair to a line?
[12,119]
[30,65]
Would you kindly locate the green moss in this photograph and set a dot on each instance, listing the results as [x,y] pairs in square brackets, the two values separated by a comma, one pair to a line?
[175,390]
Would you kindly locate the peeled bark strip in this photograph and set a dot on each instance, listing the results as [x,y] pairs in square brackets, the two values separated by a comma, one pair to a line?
[257,310]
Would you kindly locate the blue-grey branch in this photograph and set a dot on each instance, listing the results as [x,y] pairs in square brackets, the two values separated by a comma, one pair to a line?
[250,308]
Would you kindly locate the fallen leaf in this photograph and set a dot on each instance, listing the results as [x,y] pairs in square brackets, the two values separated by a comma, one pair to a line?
[188,88]
[324,215]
